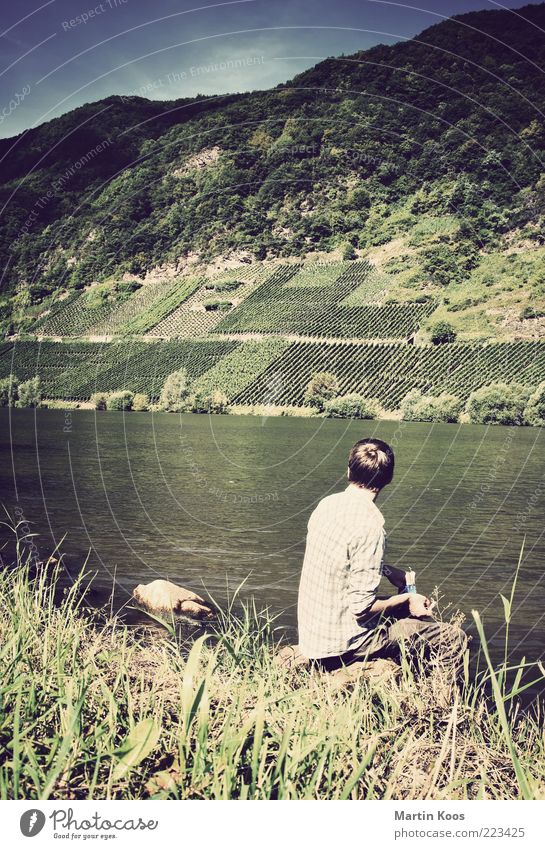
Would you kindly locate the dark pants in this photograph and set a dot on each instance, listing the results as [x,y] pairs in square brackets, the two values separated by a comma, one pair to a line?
[423,641]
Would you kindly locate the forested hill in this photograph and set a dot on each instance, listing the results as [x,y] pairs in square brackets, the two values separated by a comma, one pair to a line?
[425,156]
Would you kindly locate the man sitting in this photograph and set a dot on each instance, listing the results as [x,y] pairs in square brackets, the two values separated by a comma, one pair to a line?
[340,618]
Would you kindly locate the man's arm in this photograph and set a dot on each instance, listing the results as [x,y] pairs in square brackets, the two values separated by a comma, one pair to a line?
[366,554]
[415,605]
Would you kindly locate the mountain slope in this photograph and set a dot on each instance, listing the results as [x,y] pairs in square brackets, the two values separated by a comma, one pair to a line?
[425,156]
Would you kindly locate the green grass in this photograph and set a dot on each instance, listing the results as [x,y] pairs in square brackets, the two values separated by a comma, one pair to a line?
[90,710]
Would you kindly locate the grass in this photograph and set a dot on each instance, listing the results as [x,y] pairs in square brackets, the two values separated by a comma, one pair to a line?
[91,710]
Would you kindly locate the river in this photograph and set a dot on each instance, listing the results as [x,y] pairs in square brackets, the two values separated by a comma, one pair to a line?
[211,502]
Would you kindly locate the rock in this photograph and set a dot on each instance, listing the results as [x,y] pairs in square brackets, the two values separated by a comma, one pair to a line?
[373,670]
[291,657]
[165,597]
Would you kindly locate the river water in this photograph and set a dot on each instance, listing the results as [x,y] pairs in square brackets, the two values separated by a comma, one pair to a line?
[210,502]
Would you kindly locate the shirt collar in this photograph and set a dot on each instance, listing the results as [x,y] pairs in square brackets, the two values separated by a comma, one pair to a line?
[360,491]
[363,496]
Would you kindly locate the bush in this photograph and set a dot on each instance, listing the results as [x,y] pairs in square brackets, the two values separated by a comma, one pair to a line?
[173,398]
[30,393]
[349,252]
[215,304]
[442,333]
[228,286]
[534,413]
[140,403]
[99,400]
[120,401]
[417,407]
[321,387]
[352,406]
[8,390]
[127,287]
[209,402]
[498,403]
[530,312]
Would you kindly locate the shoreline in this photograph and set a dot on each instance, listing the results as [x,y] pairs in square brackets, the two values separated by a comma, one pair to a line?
[269,411]
[106,714]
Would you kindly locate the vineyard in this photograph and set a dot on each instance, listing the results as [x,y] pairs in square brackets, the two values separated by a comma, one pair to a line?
[143,302]
[388,371]
[344,300]
[74,371]
[239,368]
[191,318]
[176,293]
[272,371]
[311,301]
[72,317]
[314,317]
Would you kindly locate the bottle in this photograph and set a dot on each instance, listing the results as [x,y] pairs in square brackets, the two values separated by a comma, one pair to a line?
[410,582]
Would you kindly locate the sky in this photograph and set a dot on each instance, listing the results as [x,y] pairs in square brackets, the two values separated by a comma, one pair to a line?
[58,54]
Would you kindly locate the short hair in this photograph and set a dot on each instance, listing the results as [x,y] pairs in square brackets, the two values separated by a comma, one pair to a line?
[371,464]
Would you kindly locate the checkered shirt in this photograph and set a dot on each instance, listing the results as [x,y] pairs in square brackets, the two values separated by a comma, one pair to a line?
[341,573]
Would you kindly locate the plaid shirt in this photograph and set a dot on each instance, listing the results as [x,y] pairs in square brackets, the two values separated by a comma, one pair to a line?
[341,573]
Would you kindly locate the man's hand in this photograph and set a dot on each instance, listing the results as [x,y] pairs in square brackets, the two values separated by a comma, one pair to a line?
[419,605]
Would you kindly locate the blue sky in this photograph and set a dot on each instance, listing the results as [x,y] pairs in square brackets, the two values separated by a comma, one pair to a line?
[58,54]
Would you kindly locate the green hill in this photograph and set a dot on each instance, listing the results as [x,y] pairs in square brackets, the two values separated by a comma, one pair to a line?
[223,222]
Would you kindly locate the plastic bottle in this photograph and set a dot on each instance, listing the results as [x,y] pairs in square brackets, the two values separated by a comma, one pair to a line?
[410,582]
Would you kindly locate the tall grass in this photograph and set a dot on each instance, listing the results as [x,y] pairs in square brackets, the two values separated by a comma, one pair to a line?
[90,710]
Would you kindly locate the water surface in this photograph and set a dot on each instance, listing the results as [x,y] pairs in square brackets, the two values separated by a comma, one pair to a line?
[210,502]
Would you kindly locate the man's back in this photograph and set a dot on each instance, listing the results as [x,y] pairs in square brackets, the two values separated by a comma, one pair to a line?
[341,573]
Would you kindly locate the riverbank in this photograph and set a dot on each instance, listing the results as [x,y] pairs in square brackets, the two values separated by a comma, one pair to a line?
[92,709]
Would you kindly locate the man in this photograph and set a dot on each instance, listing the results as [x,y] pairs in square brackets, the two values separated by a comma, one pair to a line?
[340,618]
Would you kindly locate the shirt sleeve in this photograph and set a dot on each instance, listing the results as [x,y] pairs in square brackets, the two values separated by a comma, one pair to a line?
[365,555]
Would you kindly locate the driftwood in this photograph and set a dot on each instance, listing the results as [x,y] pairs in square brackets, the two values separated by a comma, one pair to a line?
[166,597]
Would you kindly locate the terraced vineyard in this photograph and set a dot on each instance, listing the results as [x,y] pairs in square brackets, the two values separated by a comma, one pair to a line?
[191,319]
[309,301]
[74,371]
[62,366]
[72,317]
[272,371]
[176,293]
[142,302]
[389,371]
[317,300]
[236,370]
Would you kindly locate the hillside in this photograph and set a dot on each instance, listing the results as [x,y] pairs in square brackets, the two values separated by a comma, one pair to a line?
[224,220]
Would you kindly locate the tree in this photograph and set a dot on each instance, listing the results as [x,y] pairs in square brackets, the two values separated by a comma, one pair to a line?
[8,390]
[498,403]
[120,401]
[140,402]
[360,199]
[99,400]
[352,406]
[417,407]
[30,393]
[534,413]
[321,387]
[442,333]
[349,252]
[209,402]
[173,398]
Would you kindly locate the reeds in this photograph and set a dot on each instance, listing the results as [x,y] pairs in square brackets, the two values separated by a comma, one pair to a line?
[89,710]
